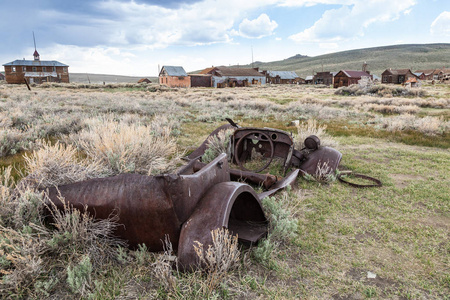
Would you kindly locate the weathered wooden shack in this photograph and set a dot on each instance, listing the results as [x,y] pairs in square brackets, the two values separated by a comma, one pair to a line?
[309,79]
[36,71]
[347,77]
[325,78]
[398,76]
[201,80]
[234,77]
[427,74]
[144,80]
[281,77]
[174,76]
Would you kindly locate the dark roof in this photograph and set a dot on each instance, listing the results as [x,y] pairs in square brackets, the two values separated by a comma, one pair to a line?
[174,71]
[426,72]
[207,70]
[355,74]
[283,74]
[44,63]
[229,71]
[398,71]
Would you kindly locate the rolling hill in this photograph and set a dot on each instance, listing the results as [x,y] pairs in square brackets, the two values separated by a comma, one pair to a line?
[414,57]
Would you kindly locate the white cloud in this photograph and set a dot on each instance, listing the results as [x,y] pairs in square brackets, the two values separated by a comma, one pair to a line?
[350,21]
[299,3]
[441,25]
[200,23]
[257,28]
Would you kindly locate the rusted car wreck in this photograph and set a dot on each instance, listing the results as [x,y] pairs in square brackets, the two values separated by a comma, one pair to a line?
[200,197]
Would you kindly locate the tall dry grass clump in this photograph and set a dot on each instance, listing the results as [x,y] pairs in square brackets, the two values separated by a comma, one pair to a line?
[129,148]
[220,257]
[217,144]
[53,165]
[430,126]
[311,127]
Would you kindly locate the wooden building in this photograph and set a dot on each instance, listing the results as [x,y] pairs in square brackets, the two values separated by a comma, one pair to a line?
[201,80]
[398,76]
[144,80]
[427,74]
[174,76]
[36,71]
[282,77]
[325,78]
[234,77]
[347,77]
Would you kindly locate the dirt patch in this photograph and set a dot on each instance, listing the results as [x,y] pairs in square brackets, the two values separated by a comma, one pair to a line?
[361,237]
[403,180]
[436,221]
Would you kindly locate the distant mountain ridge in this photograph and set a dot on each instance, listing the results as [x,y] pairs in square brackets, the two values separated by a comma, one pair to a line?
[411,56]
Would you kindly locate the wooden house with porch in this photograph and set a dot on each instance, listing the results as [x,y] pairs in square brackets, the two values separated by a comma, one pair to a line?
[347,77]
[36,71]
[398,76]
[174,76]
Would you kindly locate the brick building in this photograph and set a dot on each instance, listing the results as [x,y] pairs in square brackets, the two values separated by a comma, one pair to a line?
[174,76]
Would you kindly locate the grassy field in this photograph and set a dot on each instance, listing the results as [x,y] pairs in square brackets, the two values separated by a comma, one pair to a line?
[326,240]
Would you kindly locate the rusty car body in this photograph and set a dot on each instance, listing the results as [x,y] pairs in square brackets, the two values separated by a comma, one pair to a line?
[200,197]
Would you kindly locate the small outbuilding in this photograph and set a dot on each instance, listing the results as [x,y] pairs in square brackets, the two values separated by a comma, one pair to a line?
[144,80]
[174,76]
[347,77]
[309,79]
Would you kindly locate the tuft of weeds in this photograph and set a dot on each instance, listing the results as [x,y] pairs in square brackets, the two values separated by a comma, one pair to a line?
[129,148]
[220,257]
[312,127]
[218,144]
[53,165]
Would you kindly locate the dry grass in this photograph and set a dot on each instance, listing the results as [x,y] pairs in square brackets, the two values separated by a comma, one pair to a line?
[129,148]
[323,239]
[218,144]
[311,127]
[220,257]
[59,164]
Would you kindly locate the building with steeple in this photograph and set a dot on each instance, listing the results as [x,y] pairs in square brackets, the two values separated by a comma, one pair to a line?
[36,71]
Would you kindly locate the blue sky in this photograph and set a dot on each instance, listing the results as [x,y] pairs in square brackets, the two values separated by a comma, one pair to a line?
[126,37]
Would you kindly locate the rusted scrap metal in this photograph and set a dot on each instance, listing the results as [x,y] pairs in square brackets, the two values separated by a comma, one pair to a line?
[271,143]
[200,197]
[186,206]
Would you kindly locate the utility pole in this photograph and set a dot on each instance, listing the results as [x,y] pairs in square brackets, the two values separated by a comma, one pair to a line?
[252,56]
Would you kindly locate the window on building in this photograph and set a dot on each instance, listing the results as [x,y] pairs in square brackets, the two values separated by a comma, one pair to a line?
[24,69]
[13,69]
[65,69]
[34,69]
[54,69]
[44,69]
